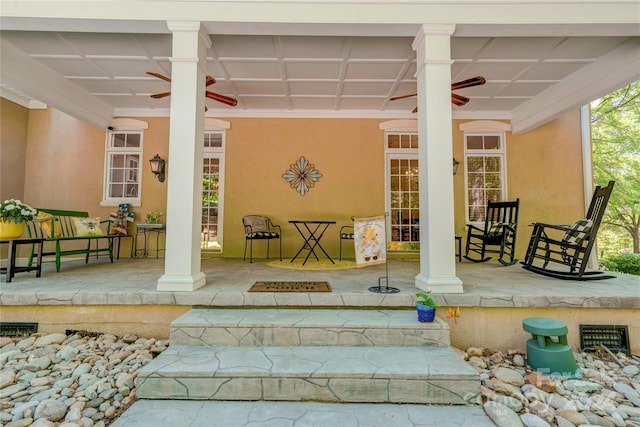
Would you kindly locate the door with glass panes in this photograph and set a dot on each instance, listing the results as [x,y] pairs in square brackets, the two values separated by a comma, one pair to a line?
[212,184]
[403,203]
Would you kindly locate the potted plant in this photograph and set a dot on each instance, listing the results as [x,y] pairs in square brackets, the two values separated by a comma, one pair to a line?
[153,217]
[426,307]
[13,214]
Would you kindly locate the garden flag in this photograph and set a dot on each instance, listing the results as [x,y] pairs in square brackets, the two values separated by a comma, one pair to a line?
[370,241]
[119,219]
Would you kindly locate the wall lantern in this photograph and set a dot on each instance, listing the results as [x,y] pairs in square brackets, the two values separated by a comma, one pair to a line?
[455,165]
[157,167]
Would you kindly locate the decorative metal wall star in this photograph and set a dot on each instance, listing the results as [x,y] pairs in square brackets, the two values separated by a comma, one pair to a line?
[302,175]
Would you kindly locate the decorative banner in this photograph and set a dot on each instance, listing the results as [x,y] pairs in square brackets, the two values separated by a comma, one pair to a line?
[370,240]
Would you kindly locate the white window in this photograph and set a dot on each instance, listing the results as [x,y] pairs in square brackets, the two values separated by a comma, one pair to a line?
[485,172]
[122,168]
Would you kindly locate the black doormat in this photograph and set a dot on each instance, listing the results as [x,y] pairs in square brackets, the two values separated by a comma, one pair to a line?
[290,287]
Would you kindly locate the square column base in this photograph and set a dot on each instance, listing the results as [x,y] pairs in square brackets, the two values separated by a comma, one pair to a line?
[181,283]
[440,285]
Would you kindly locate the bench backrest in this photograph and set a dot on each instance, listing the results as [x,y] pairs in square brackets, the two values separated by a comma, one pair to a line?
[59,225]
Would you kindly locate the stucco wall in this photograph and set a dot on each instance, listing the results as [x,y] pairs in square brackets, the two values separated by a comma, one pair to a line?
[491,327]
[544,170]
[65,163]
[348,153]
[14,121]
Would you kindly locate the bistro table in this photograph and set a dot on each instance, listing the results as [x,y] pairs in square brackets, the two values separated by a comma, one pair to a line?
[11,268]
[311,232]
[144,229]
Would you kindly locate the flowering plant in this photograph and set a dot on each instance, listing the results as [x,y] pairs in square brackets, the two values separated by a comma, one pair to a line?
[16,211]
[153,217]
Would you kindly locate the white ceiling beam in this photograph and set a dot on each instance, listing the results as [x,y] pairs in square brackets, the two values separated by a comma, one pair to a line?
[611,72]
[247,12]
[31,77]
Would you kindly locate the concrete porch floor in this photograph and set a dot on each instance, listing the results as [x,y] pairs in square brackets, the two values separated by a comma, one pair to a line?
[495,298]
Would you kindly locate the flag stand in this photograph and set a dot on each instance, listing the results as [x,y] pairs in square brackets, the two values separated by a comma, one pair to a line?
[387,289]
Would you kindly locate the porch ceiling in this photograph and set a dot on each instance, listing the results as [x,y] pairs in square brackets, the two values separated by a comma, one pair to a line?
[533,72]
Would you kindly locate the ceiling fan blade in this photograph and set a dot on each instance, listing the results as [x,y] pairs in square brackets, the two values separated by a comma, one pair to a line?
[474,81]
[160,95]
[222,98]
[459,100]
[210,80]
[160,76]
[402,96]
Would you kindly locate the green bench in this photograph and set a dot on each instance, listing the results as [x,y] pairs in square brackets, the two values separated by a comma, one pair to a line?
[72,233]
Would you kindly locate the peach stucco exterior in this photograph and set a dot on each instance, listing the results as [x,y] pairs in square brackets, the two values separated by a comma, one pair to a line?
[61,161]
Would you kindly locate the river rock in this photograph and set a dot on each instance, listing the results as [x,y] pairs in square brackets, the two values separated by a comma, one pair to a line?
[530,420]
[563,422]
[582,386]
[42,422]
[7,378]
[542,410]
[628,392]
[542,382]
[508,376]
[559,402]
[518,360]
[631,370]
[474,351]
[573,416]
[53,410]
[46,340]
[501,415]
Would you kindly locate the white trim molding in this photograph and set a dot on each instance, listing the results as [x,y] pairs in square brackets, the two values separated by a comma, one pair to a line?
[216,124]
[399,125]
[485,126]
[125,123]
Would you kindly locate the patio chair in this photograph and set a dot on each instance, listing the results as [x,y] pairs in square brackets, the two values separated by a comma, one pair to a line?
[569,246]
[497,236]
[259,227]
[346,233]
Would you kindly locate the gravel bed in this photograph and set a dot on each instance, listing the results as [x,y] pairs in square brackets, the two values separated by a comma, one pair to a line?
[80,379]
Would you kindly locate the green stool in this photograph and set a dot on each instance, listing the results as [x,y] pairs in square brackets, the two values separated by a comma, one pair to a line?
[549,355]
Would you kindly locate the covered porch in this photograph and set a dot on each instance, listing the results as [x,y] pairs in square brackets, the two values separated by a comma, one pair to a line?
[122,297]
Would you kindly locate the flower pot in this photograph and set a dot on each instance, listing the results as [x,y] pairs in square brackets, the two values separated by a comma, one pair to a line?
[11,230]
[426,313]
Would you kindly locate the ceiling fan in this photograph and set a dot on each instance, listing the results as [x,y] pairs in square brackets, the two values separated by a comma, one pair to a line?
[211,95]
[456,99]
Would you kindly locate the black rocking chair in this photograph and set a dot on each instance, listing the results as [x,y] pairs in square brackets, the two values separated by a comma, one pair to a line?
[258,227]
[499,232]
[569,246]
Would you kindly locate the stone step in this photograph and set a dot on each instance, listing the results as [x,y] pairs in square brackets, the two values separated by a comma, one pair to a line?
[154,413]
[425,374]
[308,327]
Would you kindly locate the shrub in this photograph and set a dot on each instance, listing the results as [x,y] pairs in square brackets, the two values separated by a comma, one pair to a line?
[623,263]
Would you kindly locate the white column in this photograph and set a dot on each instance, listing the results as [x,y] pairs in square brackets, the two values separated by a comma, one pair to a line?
[435,153]
[184,194]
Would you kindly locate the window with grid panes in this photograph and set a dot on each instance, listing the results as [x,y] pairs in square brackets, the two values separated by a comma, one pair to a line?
[485,173]
[403,201]
[123,166]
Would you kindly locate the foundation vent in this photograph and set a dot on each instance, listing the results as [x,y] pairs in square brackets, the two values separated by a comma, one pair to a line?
[614,337]
[11,329]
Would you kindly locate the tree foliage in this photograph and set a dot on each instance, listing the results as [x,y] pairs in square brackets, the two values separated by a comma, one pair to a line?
[615,127]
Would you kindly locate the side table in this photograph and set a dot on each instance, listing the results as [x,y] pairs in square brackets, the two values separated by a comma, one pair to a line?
[11,268]
[158,229]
